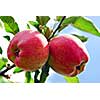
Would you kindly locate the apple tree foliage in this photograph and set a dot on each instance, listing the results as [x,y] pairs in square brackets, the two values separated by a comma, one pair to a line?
[40,76]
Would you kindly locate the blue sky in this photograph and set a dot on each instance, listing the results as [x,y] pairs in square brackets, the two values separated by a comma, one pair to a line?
[92,71]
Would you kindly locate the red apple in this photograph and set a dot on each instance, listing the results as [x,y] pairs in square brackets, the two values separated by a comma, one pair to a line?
[68,55]
[28,50]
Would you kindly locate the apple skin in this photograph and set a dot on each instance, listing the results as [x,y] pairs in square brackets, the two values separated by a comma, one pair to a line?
[68,55]
[28,50]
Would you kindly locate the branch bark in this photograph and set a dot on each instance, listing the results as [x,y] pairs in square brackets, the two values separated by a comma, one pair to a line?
[2,73]
[45,73]
[35,76]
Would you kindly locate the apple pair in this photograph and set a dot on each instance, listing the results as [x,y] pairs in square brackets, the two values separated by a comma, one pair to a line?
[30,50]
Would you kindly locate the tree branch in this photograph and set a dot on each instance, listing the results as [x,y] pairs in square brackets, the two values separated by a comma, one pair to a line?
[45,73]
[2,73]
[35,76]
[57,27]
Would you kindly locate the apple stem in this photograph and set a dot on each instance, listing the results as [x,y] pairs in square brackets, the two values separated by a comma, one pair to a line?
[57,27]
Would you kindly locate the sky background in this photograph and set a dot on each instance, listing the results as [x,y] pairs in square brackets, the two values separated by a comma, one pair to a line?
[92,71]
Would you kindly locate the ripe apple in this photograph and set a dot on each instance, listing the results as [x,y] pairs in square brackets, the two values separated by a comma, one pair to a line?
[68,55]
[28,50]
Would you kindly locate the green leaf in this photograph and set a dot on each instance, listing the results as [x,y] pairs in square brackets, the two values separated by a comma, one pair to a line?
[7,37]
[66,22]
[1,51]
[28,26]
[80,23]
[34,23]
[71,79]
[1,25]
[10,24]
[7,19]
[2,64]
[5,59]
[28,77]
[43,20]
[58,18]
[17,70]
[86,25]
[82,38]
[11,27]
